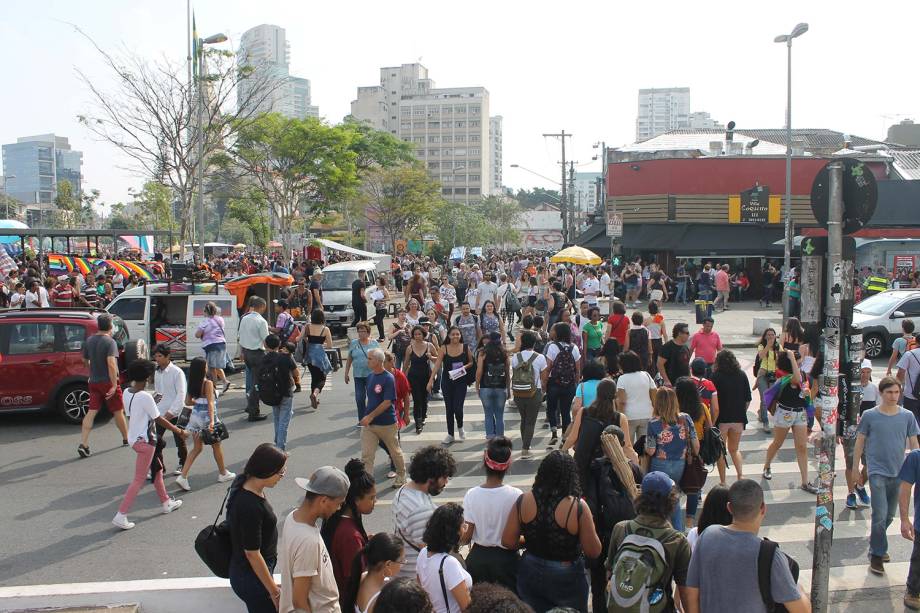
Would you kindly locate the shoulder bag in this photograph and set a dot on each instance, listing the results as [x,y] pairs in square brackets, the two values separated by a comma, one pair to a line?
[214,546]
[694,476]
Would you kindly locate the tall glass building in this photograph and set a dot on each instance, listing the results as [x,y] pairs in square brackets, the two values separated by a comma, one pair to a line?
[33,166]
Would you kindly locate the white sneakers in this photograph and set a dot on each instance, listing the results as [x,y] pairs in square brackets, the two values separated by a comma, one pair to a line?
[227,476]
[121,521]
[183,483]
[447,440]
[462,434]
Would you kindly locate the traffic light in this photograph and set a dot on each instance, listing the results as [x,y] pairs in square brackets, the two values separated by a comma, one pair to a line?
[616,260]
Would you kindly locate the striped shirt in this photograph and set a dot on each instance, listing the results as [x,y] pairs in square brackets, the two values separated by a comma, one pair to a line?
[411,510]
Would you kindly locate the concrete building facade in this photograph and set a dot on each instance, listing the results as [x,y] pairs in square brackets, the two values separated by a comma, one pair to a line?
[449,128]
[266,49]
[495,143]
[661,110]
[33,167]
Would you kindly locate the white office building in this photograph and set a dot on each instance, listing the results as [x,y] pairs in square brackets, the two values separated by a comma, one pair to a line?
[266,49]
[449,128]
[495,142]
[701,120]
[661,110]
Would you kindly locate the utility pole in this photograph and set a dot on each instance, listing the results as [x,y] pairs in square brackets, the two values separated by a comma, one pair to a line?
[571,202]
[563,201]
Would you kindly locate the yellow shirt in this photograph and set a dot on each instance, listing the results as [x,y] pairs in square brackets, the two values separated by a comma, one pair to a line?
[701,422]
[769,362]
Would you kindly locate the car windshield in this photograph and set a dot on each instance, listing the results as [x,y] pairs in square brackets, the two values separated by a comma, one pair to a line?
[878,304]
[119,331]
[339,280]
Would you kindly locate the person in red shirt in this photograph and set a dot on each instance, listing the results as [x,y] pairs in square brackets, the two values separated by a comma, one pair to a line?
[402,403]
[723,286]
[705,344]
[344,532]
[62,296]
[617,323]
[706,388]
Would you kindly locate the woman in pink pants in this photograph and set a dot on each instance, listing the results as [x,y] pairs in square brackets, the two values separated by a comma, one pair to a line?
[143,415]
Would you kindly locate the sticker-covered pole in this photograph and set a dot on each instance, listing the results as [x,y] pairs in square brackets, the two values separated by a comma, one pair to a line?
[829,401]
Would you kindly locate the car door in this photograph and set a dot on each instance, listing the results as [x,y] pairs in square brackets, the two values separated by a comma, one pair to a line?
[195,316]
[909,309]
[29,364]
[134,311]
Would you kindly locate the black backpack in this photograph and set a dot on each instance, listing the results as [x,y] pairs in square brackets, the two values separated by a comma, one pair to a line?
[563,372]
[606,496]
[495,374]
[268,383]
[764,566]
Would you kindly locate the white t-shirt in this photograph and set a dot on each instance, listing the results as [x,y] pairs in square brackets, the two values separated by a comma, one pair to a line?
[140,409]
[31,299]
[488,291]
[637,385]
[552,350]
[302,553]
[692,537]
[870,392]
[605,284]
[487,508]
[591,288]
[17,300]
[429,575]
[43,293]
[538,366]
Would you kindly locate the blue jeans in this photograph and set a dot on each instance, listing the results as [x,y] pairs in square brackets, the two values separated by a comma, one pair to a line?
[282,417]
[884,502]
[248,588]
[762,386]
[681,295]
[545,584]
[361,396]
[675,470]
[493,405]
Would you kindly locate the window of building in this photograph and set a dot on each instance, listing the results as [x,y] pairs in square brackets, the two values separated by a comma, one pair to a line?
[447,178]
[446,152]
[418,125]
[460,109]
[434,110]
[474,151]
[460,191]
[474,124]
[418,111]
[447,110]
[474,191]
[433,138]
[474,138]
[45,197]
[459,178]
[434,124]
[460,164]
[460,124]
[405,125]
[405,111]
[474,164]
[459,151]
[433,165]
[418,139]
[44,168]
[446,191]
[447,139]
[420,153]
[474,109]
[433,152]
[475,178]
[461,138]
[44,182]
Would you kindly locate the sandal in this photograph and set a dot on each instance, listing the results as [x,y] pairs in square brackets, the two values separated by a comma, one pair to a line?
[809,487]
[767,473]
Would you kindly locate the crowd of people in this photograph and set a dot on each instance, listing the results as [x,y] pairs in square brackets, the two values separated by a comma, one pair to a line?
[528,335]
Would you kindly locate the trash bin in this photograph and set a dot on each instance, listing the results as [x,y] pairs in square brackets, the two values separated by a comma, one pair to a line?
[703,310]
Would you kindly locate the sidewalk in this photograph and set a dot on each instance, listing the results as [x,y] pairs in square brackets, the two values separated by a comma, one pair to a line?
[735,326]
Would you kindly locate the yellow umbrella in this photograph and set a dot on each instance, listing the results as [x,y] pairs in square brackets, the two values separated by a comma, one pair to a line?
[576,255]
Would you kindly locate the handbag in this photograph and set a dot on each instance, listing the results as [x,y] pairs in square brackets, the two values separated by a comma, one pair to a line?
[694,476]
[215,435]
[214,545]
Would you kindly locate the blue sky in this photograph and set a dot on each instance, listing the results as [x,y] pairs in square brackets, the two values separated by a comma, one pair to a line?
[548,66]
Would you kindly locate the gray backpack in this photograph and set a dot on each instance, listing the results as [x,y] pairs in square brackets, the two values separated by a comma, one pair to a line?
[638,572]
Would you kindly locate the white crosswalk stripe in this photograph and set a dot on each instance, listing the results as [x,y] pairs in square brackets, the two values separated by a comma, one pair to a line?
[790,510]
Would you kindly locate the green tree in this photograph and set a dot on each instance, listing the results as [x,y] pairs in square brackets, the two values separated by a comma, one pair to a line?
[119,219]
[533,198]
[67,203]
[154,206]
[251,212]
[301,166]
[402,200]
[502,215]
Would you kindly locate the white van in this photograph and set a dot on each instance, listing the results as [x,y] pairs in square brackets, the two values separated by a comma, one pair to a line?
[337,280]
[169,313]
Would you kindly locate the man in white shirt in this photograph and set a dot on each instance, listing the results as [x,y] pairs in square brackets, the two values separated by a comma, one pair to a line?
[590,287]
[252,335]
[488,290]
[170,388]
[43,293]
[604,282]
[33,296]
[529,408]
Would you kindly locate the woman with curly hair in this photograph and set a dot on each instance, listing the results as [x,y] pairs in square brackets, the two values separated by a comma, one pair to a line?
[438,571]
[558,532]
[344,532]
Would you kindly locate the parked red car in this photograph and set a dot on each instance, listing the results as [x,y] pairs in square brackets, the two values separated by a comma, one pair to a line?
[41,359]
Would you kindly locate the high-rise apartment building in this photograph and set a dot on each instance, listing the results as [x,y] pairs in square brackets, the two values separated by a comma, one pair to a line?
[449,127]
[661,110]
[495,142]
[33,167]
[585,197]
[701,120]
[266,49]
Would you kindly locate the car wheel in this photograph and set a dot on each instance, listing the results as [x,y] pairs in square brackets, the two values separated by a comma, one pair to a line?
[874,345]
[73,403]
[136,350]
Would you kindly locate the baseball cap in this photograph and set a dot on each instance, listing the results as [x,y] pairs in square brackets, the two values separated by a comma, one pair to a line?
[866,363]
[656,482]
[326,481]
[281,302]
[698,367]
[424,320]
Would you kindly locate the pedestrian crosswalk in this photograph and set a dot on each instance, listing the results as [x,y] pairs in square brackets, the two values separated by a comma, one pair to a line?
[790,510]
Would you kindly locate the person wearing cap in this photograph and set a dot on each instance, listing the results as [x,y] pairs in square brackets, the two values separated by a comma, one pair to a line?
[284,321]
[654,505]
[379,423]
[307,575]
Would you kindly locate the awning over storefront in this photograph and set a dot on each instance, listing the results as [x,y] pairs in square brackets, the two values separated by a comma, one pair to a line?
[689,240]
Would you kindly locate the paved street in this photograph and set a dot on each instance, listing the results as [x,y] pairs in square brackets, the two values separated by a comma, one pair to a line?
[58,507]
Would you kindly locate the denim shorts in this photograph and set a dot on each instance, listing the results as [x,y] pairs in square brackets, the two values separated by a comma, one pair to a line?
[216,355]
[198,421]
[784,418]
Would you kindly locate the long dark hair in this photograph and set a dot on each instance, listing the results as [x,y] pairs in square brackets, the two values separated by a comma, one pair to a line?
[382,547]
[604,407]
[763,339]
[197,371]
[715,509]
[688,397]
[557,477]
[360,483]
[794,329]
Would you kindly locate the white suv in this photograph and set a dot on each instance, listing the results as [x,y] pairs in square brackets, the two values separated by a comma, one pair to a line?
[880,316]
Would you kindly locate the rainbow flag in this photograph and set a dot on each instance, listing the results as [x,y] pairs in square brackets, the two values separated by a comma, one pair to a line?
[127,268]
[64,263]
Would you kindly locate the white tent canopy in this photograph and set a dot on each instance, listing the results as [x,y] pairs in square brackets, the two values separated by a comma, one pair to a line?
[383,259]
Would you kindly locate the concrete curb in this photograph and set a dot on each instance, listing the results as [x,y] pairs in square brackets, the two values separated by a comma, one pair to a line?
[115,608]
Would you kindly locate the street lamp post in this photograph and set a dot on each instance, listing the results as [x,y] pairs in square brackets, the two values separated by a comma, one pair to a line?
[210,40]
[787,251]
